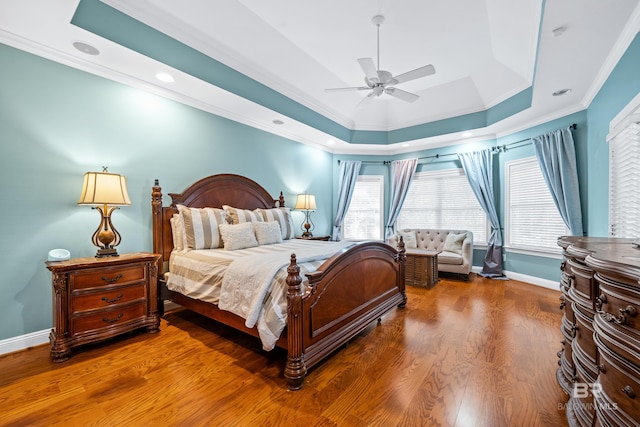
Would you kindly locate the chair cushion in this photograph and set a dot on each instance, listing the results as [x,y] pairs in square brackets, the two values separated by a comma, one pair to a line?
[449,258]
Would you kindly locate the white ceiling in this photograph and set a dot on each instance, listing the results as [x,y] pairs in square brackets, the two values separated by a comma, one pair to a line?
[484,52]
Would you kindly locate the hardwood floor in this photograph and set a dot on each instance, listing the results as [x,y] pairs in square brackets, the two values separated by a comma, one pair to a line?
[477,353]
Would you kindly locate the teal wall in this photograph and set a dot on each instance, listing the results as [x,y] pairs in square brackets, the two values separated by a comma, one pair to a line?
[56,123]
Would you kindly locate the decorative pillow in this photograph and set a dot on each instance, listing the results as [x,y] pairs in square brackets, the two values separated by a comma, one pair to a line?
[177,232]
[238,236]
[453,243]
[200,227]
[409,239]
[267,233]
[238,216]
[283,217]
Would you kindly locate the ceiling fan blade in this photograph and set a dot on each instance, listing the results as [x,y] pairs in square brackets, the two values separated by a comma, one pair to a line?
[345,89]
[369,68]
[367,99]
[401,94]
[427,70]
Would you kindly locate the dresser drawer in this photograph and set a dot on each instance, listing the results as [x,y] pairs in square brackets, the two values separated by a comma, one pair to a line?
[99,277]
[583,282]
[107,298]
[620,381]
[107,318]
[618,303]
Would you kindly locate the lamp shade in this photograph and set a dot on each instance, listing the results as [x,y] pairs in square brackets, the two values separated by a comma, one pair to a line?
[306,202]
[102,188]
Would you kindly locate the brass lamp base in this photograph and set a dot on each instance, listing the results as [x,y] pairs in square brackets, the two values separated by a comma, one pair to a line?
[105,252]
[106,237]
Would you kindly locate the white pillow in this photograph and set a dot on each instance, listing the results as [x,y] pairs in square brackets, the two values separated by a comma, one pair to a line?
[238,236]
[453,243]
[409,239]
[267,233]
[283,217]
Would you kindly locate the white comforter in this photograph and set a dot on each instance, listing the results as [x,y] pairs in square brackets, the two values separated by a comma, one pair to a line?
[249,282]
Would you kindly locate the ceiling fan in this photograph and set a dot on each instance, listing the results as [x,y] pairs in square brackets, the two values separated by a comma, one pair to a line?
[380,81]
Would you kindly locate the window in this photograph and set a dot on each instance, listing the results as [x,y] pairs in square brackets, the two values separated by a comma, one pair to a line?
[443,199]
[532,219]
[624,179]
[363,220]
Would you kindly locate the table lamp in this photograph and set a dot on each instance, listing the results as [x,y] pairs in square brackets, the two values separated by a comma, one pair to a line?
[107,191]
[307,203]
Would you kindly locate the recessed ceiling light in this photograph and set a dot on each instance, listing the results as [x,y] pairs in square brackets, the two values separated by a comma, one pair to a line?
[165,77]
[467,134]
[86,48]
[405,145]
[330,142]
[561,92]
[278,122]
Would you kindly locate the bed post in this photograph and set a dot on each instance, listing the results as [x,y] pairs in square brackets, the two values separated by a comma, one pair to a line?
[402,261]
[295,368]
[281,200]
[156,210]
[158,242]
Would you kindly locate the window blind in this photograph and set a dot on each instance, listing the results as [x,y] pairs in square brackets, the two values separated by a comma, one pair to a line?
[363,220]
[624,181]
[443,200]
[533,221]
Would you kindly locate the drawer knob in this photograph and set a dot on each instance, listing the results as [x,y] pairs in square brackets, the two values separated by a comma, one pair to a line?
[630,392]
[112,279]
[629,310]
[602,299]
[112,300]
[602,368]
[113,319]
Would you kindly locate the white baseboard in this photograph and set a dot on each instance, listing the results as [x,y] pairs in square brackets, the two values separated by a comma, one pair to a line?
[544,283]
[24,341]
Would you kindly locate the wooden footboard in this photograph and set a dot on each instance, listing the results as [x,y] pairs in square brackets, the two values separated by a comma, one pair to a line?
[348,292]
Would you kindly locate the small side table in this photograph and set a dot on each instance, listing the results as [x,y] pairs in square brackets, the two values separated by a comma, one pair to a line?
[98,298]
[421,268]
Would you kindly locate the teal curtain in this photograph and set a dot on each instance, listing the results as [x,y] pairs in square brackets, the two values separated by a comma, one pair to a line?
[348,177]
[557,158]
[478,168]
[402,172]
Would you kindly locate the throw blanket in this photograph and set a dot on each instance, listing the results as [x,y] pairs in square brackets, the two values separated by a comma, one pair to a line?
[248,282]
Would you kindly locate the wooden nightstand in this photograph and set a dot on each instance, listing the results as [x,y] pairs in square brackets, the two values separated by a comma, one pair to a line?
[98,298]
[325,238]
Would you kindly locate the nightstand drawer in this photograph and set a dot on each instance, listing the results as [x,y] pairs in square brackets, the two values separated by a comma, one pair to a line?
[107,318]
[107,298]
[99,277]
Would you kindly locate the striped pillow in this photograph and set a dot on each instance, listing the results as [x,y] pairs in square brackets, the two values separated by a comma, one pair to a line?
[283,217]
[200,227]
[239,216]
[177,233]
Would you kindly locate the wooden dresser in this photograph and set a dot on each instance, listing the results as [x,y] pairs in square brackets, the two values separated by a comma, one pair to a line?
[600,354]
[98,298]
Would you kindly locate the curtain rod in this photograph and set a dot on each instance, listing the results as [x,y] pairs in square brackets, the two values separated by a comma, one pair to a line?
[504,146]
[437,156]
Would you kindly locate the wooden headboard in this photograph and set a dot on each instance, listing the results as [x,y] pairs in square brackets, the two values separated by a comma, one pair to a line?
[212,191]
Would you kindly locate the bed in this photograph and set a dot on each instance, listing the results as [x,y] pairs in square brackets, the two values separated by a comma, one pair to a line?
[324,308]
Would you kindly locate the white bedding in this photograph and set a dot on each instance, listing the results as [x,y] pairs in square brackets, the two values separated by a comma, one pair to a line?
[248,282]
